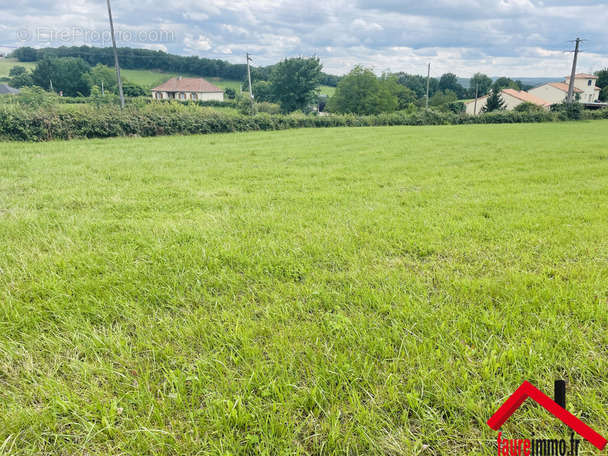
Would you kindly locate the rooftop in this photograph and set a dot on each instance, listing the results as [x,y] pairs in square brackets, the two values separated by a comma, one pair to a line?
[6,90]
[187,85]
[525,96]
[564,87]
[582,76]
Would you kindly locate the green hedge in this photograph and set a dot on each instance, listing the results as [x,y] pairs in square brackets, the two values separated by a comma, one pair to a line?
[18,123]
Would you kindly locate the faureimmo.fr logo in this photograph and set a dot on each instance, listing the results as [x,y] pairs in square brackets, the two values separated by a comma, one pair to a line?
[540,447]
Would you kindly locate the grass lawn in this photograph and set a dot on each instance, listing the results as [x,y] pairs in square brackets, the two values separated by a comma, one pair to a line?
[7,64]
[327,90]
[339,291]
[226,84]
[147,78]
[151,79]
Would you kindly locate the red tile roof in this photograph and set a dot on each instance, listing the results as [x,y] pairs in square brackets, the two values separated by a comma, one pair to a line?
[582,76]
[197,85]
[563,87]
[525,96]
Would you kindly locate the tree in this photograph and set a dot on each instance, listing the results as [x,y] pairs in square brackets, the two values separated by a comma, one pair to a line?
[441,98]
[263,92]
[295,82]
[449,81]
[494,103]
[25,54]
[602,83]
[22,80]
[36,97]
[361,92]
[66,73]
[406,97]
[17,71]
[417,84]
[527,106]
[98,98]
[132,89]
[482,82]
[102,74]
[506,83]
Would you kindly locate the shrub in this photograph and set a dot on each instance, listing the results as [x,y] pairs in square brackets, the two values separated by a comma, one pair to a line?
[268,108]
[568,111]
[527,106]
[31,122]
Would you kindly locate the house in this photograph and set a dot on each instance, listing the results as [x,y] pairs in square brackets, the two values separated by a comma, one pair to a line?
[511,97]
[586,83]
[187,89]
[554,92]
[6,90]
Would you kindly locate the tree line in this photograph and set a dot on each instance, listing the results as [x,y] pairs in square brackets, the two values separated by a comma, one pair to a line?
[293,84]
[146,59]
[72,77]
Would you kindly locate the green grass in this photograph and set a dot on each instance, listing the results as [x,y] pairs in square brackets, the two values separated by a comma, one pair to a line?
[227,84]
[341,291]
[149,79]
[7,64]
[327,90]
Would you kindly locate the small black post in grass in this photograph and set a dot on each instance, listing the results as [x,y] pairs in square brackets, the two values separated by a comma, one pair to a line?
[560,393]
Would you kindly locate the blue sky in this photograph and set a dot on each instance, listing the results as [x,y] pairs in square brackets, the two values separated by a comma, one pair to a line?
[517,38]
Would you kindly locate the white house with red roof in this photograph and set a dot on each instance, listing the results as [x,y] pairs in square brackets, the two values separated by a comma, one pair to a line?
[556,92]
[187,89]
[511,97]
[545,95]
[586,83]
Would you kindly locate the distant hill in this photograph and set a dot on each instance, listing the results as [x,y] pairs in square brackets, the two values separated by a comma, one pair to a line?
[526,81]
[537,81]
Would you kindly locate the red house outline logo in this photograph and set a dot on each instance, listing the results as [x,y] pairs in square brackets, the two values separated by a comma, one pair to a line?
[528,390]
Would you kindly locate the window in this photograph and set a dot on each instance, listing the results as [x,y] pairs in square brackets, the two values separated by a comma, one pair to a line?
[589,82]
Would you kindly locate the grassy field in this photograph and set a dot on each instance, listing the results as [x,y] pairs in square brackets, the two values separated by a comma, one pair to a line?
[7,64]
[151,79]
[342,291]
[327,90]
[147,78]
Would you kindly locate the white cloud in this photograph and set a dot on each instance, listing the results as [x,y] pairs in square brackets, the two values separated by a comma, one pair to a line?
[199,43]
[498,37]
[363,25]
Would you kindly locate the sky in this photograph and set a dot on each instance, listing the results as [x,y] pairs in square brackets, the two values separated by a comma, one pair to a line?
[515,38]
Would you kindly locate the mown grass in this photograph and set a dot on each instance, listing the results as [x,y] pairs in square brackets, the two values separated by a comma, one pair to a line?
[327,90]
[150,79]
[343,291]
[7,64]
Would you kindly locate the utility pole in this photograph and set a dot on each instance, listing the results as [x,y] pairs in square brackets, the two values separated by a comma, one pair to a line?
[122,95]
[428,81]
[51,81]
[476,92]
[102,93]
[250,88]
[572,75]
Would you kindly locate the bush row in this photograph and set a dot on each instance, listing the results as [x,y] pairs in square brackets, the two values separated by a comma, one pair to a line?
[18,123]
